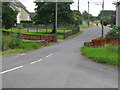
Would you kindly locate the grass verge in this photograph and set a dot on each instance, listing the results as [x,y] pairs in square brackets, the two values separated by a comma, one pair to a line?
[22,48]
[75,34]
[83,26]
[106,54]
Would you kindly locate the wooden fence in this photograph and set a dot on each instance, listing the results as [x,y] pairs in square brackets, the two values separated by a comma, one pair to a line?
[75,31]
[48,38]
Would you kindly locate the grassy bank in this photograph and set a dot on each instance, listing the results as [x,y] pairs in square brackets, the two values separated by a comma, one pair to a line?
[75,34]
[106,55]
[22,48]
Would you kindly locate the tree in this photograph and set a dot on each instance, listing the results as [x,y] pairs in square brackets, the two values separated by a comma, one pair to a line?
[75,16]
[85,15]
[107,16]
[8,15]
[45,14]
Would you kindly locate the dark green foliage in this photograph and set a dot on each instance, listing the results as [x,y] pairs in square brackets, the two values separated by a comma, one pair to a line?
[75,17]
[9,42]
[26,21]
[8,15]
[108,17]
[15,42]
[114,34]
[85,15]
[117,3]
[46,14]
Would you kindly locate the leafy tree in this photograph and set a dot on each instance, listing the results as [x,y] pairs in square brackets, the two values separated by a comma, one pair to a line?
[107,16]
[46,14]
[114,33]
[116,3]
[85,15]
[75,16]
[8,15]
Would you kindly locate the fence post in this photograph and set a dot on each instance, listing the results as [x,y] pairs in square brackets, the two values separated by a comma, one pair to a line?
[64,34]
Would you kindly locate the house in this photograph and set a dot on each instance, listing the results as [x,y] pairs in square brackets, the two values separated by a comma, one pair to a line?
[23,13]
[118,15]
[32,14]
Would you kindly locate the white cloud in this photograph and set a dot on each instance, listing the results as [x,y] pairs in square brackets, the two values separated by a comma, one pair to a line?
[94,9]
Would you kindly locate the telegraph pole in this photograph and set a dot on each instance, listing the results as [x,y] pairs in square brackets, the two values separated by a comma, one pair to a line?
[102,18]
[78,16]
[56,8]
[88,11]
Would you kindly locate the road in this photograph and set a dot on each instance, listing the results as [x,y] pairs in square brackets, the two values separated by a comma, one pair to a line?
[59,66]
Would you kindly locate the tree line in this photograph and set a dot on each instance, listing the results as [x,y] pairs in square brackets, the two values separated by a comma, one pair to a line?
[45,14]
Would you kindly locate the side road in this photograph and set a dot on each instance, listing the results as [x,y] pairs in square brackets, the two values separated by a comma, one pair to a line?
[59,66]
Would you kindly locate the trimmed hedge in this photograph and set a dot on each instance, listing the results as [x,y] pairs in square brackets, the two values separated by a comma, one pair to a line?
[26,21]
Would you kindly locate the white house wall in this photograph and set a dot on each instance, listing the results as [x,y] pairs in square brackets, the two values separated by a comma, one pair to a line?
[22,15]
[19,15]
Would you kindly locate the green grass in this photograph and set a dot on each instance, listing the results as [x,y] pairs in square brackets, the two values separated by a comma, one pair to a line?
[34,31]
[22,48]
[75,34]
[106,55]
[83,26]
[60,32]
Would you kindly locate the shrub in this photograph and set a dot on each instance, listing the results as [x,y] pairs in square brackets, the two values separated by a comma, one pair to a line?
[15,42]
[114,34]
[9,42]
[5,42]
[26,21]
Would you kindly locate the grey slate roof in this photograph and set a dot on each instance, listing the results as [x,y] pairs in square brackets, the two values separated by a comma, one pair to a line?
[32,14]
[18,4]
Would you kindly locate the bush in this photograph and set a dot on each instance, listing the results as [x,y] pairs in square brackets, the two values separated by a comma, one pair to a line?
[9,42]
[26,21]
[15,42]
[5,42]
[114,34]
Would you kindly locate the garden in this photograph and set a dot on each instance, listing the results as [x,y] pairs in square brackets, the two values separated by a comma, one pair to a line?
[104,50]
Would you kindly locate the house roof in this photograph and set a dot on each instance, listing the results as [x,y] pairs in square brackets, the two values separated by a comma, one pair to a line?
[32,14]
[13,6]
[18,4]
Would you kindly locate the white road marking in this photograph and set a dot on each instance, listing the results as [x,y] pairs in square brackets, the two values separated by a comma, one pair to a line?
[35,61]
[49,55]
[11,69]
[20,55]
[23,54]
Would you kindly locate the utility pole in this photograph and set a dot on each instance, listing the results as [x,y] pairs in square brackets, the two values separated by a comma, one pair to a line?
[102,18]
[78,16]
[88,12]
[56,8]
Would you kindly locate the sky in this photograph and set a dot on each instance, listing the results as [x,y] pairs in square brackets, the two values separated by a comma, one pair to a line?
[94,9]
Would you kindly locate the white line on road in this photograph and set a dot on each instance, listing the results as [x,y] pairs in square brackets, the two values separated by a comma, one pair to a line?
[35,61]
[23,54]
[20,55]
[49,55]
[11,69]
